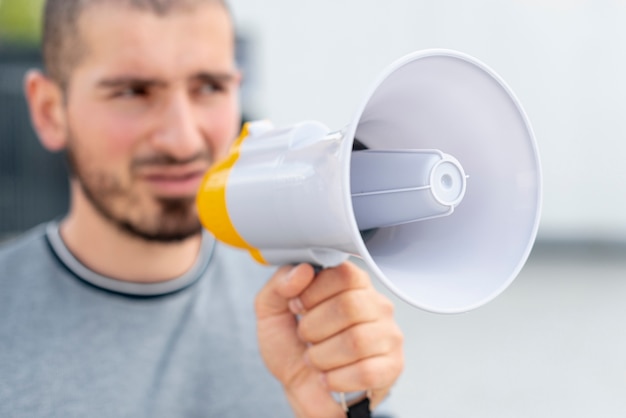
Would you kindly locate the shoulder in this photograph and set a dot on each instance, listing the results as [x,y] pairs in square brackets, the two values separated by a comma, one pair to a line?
[29,246]
[26,262]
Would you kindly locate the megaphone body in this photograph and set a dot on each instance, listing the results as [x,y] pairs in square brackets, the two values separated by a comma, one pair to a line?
[435,184]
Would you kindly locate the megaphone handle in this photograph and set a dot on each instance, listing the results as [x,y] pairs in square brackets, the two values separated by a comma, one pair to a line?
[359,409]
[360,403]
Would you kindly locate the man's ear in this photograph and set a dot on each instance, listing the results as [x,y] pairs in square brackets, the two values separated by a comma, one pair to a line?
[45,101]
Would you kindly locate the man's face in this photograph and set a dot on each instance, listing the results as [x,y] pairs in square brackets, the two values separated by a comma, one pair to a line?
[150,106]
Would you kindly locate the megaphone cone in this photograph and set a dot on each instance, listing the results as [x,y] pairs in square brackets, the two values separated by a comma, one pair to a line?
[435,184]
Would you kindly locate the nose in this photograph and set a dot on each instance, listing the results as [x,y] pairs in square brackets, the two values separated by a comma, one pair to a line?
[179,131]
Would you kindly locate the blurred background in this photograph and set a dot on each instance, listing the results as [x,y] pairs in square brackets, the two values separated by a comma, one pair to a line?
[554,344]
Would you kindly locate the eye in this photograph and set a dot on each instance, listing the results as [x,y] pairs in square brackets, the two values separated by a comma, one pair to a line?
[130,92]
[208,88]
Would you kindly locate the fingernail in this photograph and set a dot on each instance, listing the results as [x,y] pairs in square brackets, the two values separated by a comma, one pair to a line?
[295,306]
[290,274]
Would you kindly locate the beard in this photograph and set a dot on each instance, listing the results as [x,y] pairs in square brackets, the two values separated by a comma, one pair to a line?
[154,219]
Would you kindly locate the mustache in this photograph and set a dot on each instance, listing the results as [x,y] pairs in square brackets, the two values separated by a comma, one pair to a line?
[167,160]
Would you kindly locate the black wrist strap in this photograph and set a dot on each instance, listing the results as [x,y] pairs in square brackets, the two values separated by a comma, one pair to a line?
[360,409]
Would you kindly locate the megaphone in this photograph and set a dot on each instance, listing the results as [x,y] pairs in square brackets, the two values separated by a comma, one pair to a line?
[435,184]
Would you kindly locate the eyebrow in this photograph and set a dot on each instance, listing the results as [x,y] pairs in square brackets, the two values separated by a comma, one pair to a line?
[123,81]
[213,77]
[130,80]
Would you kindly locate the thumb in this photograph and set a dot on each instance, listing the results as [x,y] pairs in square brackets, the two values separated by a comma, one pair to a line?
[287,283]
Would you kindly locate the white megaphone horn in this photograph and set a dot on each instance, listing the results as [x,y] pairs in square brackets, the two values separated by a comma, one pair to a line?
[436,185]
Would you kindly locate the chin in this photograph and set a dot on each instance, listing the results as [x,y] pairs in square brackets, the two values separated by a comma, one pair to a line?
[174,220]
[162,234]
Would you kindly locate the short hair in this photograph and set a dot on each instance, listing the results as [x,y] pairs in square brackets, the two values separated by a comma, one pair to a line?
[61,44]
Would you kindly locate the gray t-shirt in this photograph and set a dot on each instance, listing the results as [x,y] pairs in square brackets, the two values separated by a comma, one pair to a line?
[74,343]
[77,344]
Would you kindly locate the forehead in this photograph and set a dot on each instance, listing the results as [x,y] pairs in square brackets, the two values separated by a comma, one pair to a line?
[123,39]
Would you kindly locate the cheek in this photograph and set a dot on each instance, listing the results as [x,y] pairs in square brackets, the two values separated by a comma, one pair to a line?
[121,137]
[101,134]
[222,128]
[109,137]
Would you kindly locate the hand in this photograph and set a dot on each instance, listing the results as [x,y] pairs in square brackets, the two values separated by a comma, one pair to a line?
[345,341]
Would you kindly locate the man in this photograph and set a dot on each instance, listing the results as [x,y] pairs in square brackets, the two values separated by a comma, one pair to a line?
[125,308]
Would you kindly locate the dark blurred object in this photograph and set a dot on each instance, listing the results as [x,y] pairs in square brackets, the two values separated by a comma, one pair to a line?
[33,181]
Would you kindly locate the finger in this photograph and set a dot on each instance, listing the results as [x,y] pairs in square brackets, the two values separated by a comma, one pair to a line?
[374,373]
[287,283]
[343,311]
[355,344]
[332,281]
[377,396]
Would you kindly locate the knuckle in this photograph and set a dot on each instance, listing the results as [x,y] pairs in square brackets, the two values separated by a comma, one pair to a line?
[369,375]
[348,306]
[396,336]
[395,368]
[397,357]
[389,340]
[358,341]
[398,340]
[387,306]
[314,359]
[304,332]
[351,275]
[379,374]
[392,341]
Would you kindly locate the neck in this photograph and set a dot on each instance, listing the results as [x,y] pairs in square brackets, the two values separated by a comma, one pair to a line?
[106,249]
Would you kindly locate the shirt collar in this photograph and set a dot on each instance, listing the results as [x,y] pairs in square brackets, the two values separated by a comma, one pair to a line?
[124,287]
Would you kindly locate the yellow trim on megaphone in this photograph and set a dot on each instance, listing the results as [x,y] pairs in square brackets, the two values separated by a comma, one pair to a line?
[211,200]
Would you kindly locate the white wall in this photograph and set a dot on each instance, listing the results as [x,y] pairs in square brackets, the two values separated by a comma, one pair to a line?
[565,60]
